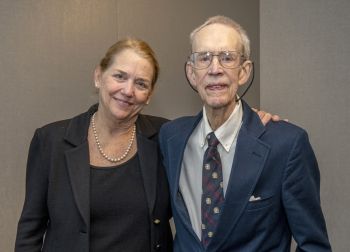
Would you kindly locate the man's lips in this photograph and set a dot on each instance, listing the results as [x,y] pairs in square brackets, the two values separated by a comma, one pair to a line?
[218,86]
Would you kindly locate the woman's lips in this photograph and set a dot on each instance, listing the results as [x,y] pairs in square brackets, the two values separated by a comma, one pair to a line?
[123,102]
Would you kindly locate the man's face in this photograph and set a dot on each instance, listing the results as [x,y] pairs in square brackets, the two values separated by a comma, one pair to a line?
[217,86]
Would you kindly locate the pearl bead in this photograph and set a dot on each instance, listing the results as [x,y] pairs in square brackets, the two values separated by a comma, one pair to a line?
[97,140]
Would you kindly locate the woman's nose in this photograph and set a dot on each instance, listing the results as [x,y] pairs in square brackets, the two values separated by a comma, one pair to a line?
[128,89]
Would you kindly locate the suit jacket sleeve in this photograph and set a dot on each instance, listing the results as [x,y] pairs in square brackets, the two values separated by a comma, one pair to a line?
[33,221]
[301,198]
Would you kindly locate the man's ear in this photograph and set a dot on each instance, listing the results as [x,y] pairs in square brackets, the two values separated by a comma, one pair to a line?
[97,77]
[244,72]
[191,77]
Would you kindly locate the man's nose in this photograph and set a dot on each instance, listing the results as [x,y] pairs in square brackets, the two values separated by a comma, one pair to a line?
[215,65]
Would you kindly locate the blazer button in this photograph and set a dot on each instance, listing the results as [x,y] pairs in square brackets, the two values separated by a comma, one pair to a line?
[157,247]
[156,221]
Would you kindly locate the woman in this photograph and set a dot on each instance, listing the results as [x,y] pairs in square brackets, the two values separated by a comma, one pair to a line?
[95,182]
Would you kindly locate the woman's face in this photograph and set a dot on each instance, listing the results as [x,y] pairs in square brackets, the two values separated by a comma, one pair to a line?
[126,86]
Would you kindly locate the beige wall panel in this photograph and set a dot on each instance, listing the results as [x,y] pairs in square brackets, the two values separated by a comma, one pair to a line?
[48,51]
[305,77]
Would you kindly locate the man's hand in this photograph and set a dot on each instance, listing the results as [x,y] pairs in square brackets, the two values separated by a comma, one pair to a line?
[266,117]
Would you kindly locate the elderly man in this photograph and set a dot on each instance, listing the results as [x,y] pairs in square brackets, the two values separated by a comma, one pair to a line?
[237,185]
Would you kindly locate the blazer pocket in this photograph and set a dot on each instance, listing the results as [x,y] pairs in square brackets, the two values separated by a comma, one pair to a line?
[262,203]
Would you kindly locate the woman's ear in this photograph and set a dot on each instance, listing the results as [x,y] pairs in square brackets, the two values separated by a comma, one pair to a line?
[244,72]
[191,77]
[97,77]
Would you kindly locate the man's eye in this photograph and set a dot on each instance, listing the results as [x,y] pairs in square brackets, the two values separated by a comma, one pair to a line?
[227,57]
[203,57]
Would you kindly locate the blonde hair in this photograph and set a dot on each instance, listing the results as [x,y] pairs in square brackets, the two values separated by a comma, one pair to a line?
[137,45]
[230,23]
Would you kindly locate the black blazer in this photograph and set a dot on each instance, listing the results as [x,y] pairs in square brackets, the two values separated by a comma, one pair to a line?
[56,211]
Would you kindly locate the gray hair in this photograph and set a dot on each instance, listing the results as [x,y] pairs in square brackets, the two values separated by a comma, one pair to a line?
[230,23]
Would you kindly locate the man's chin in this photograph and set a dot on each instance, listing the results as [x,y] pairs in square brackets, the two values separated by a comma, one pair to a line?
[218,104]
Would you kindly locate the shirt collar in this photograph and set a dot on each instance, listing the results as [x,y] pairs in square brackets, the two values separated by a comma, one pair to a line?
[227,132]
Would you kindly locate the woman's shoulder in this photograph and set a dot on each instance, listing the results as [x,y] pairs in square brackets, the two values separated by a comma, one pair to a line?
[54,126]
[155,121]
[59,128]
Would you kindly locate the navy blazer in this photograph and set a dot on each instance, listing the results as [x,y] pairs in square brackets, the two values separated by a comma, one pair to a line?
[56,212]
[274,162]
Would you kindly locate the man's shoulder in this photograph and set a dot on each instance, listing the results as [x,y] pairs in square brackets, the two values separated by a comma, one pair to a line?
[284,134]
[179,123]
[284,128]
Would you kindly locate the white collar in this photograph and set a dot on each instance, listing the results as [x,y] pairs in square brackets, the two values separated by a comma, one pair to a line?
[227,132]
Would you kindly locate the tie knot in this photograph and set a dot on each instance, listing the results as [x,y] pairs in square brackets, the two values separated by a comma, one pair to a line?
[212,140]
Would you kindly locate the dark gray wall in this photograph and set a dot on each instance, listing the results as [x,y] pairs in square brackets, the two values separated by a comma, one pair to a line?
[305,73]
[49,49]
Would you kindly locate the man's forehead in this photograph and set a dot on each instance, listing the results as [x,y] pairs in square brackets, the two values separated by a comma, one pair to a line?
[216,37]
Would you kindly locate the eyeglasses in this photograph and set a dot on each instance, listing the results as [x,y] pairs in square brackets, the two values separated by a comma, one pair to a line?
[227,59]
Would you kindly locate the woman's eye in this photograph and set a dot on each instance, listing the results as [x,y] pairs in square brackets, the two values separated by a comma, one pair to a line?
[142,84]
[119,76]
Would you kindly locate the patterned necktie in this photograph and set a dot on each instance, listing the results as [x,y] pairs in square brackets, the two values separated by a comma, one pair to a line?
[212,189]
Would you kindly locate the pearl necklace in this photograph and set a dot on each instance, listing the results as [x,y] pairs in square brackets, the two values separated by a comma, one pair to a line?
[97,140]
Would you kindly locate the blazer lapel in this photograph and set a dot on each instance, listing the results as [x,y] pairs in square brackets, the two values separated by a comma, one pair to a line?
[78,161]
[176,148]
[250,157]
[148,156]
[147,148]
[79,173]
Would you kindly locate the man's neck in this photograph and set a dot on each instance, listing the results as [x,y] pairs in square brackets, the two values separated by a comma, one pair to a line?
[217,116]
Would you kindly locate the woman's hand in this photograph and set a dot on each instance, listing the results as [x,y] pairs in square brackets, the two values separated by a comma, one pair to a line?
[265,117]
